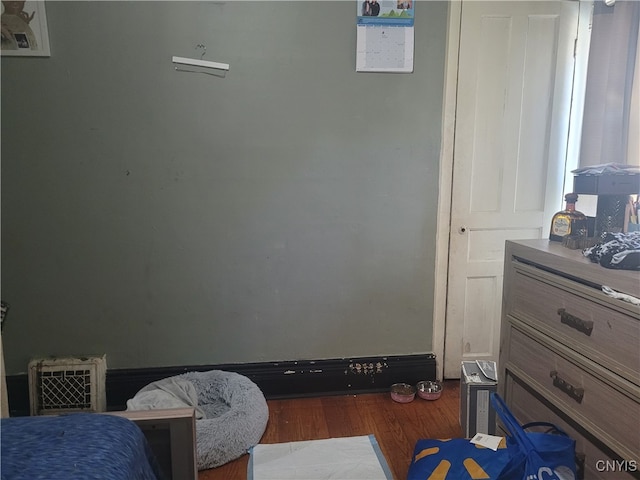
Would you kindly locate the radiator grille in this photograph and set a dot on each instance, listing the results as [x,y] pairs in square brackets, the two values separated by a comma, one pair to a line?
[60,385]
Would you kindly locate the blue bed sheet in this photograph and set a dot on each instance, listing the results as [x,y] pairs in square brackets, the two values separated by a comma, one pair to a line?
[81,446]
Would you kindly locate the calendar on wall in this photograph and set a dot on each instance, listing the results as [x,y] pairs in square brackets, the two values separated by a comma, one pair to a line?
[385,37]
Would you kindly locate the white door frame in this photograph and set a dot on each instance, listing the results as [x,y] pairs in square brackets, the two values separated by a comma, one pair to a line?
[447,152]
[444,184]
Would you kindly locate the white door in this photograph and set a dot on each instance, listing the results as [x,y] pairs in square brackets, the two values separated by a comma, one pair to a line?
[512,116]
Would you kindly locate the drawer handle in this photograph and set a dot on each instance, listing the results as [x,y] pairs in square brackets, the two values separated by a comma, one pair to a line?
[584,326]
[574,392]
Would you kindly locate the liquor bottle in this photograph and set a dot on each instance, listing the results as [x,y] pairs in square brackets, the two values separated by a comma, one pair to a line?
[568,221]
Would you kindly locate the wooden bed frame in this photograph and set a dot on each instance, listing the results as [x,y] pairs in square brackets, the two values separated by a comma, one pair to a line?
[4,401]
[171,434]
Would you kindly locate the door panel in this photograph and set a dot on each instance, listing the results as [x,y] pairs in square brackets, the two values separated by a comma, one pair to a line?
[512,115]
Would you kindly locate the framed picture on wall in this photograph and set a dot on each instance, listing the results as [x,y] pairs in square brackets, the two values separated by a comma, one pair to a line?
[24,29]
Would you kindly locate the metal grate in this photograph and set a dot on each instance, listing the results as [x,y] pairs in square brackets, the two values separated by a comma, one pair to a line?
[62,385]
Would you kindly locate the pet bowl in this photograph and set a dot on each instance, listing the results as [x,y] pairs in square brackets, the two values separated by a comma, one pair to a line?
[429,390]
[403,392]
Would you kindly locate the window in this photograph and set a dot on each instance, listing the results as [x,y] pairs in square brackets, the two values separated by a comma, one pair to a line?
[612,101]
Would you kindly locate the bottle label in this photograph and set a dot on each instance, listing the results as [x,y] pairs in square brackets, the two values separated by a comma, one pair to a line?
[561,227]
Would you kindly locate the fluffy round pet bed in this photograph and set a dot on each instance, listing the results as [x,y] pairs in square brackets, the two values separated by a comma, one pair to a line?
[236,416]
[231,410]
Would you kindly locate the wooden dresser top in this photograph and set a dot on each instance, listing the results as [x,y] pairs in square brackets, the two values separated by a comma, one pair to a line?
[572,263]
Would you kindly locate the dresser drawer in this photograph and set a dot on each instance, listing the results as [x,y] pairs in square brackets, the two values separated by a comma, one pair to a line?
[596,464]
[606,412]
[608,336]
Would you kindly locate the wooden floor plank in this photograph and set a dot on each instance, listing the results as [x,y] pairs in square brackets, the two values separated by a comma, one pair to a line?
[397,427]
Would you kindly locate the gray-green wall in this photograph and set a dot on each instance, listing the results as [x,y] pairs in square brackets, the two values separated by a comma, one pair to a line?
[285,212]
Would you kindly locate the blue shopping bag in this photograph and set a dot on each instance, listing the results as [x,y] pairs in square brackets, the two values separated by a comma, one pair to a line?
[456,459]
[534,455]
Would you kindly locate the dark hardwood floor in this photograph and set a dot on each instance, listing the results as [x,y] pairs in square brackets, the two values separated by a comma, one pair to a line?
[396,426]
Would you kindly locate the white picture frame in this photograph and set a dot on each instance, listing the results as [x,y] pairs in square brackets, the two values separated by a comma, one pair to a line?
[24,32]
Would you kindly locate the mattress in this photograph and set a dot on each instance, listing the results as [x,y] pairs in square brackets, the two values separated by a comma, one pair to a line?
[80,446]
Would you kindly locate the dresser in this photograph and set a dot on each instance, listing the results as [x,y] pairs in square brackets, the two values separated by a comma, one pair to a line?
[570,354]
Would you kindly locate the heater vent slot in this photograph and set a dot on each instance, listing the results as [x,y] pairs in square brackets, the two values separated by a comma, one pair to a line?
[63,385]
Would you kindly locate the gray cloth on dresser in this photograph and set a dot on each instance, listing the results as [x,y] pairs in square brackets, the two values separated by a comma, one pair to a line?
[616,250]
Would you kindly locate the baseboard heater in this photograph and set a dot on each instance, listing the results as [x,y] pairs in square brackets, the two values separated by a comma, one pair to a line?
[284,379]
